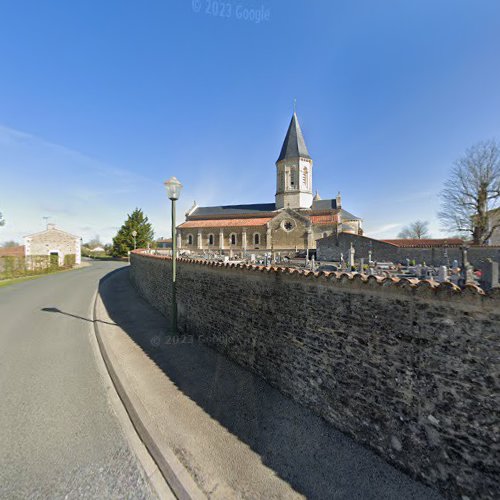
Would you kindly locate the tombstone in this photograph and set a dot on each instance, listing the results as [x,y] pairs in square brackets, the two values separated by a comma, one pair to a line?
[252,257]
[418,270]
[369,257]
[371,271]
[352,251]
[469,275]
[454,265]
[442,274]
[465,263]
[361,265]
[489,274]
[312,262]
[407,263]
[226,258]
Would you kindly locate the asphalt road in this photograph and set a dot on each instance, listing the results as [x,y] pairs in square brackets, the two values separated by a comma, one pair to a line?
[59,437]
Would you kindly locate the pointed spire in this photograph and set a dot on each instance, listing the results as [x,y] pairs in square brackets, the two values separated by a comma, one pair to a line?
[294,145]
[317,197]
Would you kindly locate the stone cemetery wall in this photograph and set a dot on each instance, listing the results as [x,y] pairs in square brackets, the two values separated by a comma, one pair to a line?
[411,370]
[329,249]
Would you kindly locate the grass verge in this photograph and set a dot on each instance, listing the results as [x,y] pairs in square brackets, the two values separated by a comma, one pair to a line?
[13,281]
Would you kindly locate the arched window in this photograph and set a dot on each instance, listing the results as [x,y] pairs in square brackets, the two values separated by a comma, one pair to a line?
[305,176]
[210,239]
[233,239]
[190,239]
[256,239]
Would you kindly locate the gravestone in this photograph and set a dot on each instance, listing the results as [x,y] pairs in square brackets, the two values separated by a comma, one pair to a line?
[489,274]
[442,274]
[418,270]
[352,251]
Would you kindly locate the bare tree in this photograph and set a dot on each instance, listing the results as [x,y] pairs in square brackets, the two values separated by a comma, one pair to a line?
[94,242]
[416,230]
[472,190]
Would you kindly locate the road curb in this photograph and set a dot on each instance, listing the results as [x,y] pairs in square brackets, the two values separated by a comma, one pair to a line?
[173,472]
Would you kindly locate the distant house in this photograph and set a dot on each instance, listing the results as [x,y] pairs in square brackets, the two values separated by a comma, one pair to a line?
[17,251]
[163,243]
[53,242]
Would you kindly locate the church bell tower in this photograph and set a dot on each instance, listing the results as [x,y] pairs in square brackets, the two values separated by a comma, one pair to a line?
[294,170]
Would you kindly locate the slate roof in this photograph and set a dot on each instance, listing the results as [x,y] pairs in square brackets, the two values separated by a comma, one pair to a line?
[294,145]
[234,209]
[324,204]
[263,208]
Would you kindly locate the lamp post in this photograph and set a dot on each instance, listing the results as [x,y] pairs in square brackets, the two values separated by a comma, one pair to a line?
[134,234]
[173,187]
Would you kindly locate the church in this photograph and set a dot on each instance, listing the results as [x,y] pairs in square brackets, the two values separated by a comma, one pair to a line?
[292,223]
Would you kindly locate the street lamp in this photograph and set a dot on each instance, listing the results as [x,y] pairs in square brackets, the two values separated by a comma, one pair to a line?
[134,234]
[173,187]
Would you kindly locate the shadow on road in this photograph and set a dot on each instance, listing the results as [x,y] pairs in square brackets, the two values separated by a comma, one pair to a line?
[314,458]
[56,310]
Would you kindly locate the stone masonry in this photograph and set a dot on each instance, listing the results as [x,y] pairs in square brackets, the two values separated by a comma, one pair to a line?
[410,370]
[53,241]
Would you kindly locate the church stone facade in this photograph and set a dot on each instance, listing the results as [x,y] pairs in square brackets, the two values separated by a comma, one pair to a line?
[292,223]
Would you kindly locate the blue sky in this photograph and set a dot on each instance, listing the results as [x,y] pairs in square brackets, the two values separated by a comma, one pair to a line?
[100,102]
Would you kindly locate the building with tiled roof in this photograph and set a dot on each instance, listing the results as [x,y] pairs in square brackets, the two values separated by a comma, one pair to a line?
[53,242]
[293,222]
[15,251]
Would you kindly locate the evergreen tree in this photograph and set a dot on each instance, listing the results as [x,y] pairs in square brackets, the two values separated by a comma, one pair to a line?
[124,240]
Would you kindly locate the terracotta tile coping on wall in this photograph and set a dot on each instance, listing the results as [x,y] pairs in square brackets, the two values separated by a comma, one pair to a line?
[413,284]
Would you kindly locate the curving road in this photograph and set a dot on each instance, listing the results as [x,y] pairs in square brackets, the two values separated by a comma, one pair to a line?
[59,437]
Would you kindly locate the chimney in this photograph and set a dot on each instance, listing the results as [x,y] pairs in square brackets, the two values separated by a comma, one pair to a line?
[339,201]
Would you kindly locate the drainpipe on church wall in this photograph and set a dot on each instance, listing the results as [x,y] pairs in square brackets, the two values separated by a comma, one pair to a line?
[221,240]
[244,242]
[179,240]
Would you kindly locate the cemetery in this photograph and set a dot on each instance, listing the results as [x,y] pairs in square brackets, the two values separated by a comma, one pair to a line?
[455,262]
